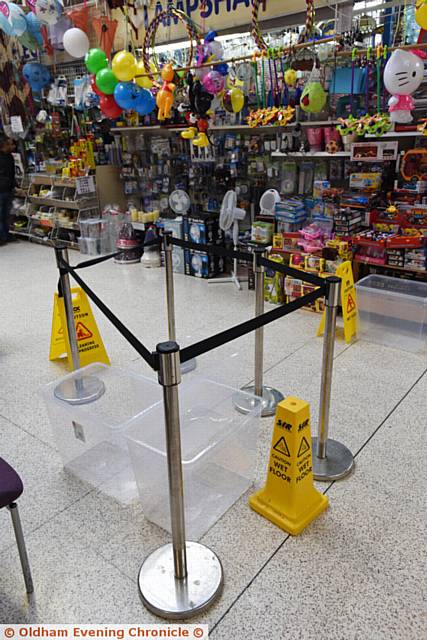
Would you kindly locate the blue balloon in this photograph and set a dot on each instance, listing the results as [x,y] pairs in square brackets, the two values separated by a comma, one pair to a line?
[37,75]
[17,20]
[222,68]
[145,103]
[127,95]
[33,27]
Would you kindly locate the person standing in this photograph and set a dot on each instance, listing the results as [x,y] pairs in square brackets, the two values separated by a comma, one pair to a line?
[7,185]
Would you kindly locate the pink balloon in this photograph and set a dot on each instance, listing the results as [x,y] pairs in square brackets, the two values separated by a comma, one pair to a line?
[213,82]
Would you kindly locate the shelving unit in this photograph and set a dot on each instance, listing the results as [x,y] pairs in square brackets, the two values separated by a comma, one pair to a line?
[46,213]
[311,154]
[224,128]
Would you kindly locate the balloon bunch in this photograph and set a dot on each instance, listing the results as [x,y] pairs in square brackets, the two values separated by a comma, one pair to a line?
[115,86]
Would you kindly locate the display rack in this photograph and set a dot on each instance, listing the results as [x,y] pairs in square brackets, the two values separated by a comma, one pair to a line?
[56,214]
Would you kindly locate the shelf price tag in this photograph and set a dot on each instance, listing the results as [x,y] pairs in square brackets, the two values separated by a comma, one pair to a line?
[85,185]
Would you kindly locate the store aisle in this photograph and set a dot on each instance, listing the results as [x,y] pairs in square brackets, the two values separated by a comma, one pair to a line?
[354,573]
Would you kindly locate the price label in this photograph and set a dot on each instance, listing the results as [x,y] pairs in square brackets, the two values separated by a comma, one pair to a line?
[85,185]
[16,124]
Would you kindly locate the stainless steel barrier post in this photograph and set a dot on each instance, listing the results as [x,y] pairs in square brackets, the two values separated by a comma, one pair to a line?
[181,579]
[82,389]
[270,396]
[331,459]
[190,365]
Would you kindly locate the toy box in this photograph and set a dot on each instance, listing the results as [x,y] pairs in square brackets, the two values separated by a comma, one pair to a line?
[202,265]
[273,282]
[203,228]
[262,232]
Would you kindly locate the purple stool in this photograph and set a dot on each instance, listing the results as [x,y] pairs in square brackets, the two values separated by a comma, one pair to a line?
[11,488]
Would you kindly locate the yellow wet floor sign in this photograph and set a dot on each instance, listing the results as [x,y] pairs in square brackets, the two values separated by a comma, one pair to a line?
[289,498]
[91,347]
[348,302]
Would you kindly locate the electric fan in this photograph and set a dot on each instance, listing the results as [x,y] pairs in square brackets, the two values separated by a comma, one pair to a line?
[179,202]
[268,201]
[229,216]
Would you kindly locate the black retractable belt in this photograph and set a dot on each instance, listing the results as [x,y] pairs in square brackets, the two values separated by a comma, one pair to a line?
[214,249]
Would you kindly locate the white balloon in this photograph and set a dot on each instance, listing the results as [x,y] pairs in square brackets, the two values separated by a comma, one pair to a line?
[76,42]
[403,73]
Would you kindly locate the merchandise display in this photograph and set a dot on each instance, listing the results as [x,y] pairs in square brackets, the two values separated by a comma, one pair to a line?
[150,149]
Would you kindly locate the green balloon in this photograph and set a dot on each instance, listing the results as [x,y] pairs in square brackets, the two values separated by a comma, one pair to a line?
[95,60]
[106,81]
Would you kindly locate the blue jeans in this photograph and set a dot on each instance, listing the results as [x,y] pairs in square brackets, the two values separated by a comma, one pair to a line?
[5,207]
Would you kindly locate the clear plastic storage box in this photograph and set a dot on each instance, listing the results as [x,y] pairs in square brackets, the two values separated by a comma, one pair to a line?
[91,437]
[393,312]
[218,455]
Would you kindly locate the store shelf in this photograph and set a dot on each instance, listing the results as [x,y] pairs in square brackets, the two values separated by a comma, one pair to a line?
[57,181]
[395,134]
[390,266]
[314,154]
[85,203]
[225,127]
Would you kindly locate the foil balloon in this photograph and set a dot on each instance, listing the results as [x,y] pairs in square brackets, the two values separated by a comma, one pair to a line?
[127,95]
[57,31]
[165,96]
[48,11]
[109,107]
[17,20]
[33,27]
[421,13]
[213,82]
[233,100]
[313,98]
[95,60]
[76,43]
[106,81]
[403,74]
[5,23]
[124,66]
[37,75]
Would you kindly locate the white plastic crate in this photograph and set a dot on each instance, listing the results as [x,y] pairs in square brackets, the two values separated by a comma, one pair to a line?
[91,437]
[393,312]
[218,455]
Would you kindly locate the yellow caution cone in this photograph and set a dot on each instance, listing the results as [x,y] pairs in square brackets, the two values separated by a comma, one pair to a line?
[289,498]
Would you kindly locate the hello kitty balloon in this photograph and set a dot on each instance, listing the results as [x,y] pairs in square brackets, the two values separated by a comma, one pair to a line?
[403,75]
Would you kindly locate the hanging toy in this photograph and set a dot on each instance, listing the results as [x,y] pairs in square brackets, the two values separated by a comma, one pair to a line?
[421,13]
[290,77]
[164,98]
[403,75]
[200,102]
[313,97]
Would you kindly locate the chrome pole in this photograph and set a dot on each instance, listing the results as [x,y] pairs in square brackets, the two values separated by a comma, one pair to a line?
[190,365]
[332,460]
[180,579]
[244,400]
[81,389]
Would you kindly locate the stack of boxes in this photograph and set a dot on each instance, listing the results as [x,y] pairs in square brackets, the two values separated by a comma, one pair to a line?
[416,259]
[203,228]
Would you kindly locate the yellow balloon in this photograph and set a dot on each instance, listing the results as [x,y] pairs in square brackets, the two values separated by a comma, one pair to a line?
[291,77]
[144,81]
[237,99]
[421,13]
[124,66]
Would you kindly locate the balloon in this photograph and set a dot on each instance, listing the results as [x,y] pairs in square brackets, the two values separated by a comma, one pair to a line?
[33,27]
[106,81]
[145,81]
[145,103]
[76,42]
[403,72]
[291,77]
[216,49]
[17,20]
[127,95]
[48,11]
[233,100]
[313,97]
[95,60]
[124,66]
[421,13]
[57,31]
[109,107]
[5,23]
[37,75]
[94,88]
[222,68]
[213,82]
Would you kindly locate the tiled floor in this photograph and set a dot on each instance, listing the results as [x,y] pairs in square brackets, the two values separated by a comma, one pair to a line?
[355,573]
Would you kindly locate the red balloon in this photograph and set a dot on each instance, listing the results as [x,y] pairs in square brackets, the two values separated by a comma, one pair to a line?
[94,87]
[109,107]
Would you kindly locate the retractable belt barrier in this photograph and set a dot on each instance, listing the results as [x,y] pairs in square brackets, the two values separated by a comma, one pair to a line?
[165,573]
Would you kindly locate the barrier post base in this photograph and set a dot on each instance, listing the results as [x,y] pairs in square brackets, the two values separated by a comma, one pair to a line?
[188,366]
[338,463]
[245,403]
[80,391]
[169,597]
